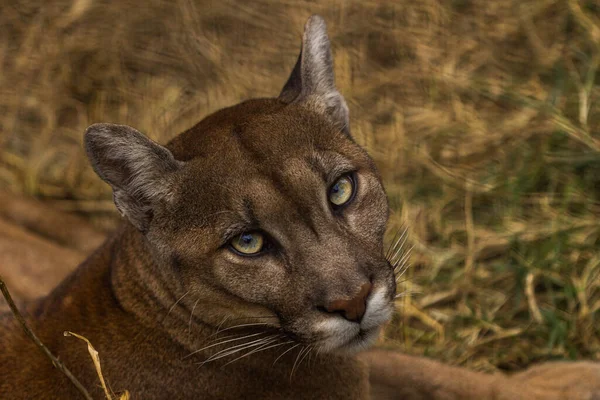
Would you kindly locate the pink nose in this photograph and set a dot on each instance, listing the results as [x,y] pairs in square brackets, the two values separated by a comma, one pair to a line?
[353,309]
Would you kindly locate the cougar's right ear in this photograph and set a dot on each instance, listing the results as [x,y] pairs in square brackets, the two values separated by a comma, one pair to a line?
[312,79]
[134,166]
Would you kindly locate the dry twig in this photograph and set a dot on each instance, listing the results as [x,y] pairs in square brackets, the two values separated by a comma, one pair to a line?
[38,342]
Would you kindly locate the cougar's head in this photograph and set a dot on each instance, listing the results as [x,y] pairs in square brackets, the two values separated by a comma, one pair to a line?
[265,214]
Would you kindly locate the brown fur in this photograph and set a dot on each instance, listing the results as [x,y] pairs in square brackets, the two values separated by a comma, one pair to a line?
[166,285]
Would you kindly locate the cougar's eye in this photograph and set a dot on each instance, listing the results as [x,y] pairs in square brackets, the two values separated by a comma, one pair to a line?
[342,191]
[248,243]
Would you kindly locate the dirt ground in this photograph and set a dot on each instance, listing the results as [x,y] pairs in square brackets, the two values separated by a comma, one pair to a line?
[482,116]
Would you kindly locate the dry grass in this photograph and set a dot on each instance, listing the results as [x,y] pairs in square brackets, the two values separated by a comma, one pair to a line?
[483,117]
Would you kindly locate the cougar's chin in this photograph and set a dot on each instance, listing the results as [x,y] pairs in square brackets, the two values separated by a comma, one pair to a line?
[342,336]
[362,341]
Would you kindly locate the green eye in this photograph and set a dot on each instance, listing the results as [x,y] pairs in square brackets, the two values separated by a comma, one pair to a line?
[341,192]
[248,243]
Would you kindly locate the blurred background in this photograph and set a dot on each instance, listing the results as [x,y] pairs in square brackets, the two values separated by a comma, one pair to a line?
[482,116]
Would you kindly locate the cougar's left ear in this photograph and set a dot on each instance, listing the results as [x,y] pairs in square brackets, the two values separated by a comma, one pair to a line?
[312,80]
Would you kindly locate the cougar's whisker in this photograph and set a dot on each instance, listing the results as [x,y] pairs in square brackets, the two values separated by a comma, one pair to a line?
[235,349]
[392,245]
[406,293]
[305,354]
[175,304]
[221,324]
[258,349]
[244,325]
[209,340]
[254,317]
[191,316]
[399,245]
[219,330]
[296,361]
[401,272]
[264,342]
[239,346]
[399,256]
[405,256]
[223,342]
[227,353]
[288,350]
[403,265]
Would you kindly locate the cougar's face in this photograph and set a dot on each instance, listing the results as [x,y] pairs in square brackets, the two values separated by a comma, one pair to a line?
[277,219]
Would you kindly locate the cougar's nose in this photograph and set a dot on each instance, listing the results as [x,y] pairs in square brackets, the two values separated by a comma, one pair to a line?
[353,309]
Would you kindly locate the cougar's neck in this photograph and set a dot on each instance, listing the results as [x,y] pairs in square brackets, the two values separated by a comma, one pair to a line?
[143,287]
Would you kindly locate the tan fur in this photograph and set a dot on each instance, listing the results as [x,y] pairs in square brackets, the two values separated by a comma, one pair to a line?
[158,293]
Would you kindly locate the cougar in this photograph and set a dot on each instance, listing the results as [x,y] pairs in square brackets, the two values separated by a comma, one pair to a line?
[250,264]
